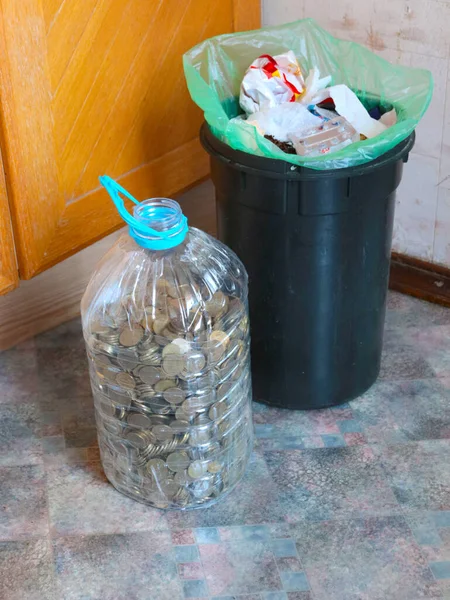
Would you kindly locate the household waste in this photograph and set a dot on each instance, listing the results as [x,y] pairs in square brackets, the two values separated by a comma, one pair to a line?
[305,116]
[298,75]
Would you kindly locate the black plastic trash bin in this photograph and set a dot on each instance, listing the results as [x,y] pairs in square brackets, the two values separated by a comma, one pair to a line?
[316,245]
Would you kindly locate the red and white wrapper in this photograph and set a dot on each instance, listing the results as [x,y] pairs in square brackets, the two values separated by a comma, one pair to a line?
[271,81]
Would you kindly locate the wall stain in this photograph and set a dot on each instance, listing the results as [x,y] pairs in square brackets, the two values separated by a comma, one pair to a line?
[412,34]
[374,40]
[409,12]
[348,22]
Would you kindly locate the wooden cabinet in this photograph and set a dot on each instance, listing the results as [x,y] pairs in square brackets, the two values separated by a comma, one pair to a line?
[91,87]
[9,278]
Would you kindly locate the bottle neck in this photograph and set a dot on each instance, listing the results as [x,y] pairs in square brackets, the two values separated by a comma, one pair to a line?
[160,224]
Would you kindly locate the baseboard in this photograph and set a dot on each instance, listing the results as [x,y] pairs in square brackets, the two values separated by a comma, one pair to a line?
[420,278]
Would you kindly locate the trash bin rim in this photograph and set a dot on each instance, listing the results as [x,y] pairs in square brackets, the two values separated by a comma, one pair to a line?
[279,169]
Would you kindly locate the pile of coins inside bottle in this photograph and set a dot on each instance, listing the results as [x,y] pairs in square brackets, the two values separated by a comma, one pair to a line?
[172,390]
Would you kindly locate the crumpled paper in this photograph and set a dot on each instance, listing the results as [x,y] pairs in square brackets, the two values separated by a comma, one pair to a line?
[270,81]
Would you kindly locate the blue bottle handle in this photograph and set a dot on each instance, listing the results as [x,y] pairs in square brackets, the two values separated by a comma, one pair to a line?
[161,240]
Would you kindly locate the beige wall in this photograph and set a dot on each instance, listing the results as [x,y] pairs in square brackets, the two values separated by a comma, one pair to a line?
[409,32]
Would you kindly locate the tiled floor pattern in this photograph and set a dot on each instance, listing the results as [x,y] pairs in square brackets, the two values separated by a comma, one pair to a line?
[350,503]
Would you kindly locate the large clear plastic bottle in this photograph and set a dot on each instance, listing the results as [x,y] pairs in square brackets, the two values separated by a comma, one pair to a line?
[165,320]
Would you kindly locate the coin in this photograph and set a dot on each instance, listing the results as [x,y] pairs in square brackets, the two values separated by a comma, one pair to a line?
[179,425]
[139,439]
[178,461]
[173,364]
[197,469]
[219,336]
[131,335]
[160,406]
[139,420]
[125,380]
[171,349]
[198,437]
[174,422]
[160,419]
[217,411]
[215,467]
[194,362]
[182,478]
[217,304]
[202,489]
[163,433]
[128,361]
[157,468]
[159,324]
[150,375]
[164,384]
[175,395]
[182,344]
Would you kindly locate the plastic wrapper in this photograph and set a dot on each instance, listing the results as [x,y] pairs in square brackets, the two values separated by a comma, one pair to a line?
[167,338]
[332,136]
[284,120]
[215,68]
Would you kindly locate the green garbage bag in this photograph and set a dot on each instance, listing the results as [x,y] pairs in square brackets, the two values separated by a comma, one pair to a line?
[214,70]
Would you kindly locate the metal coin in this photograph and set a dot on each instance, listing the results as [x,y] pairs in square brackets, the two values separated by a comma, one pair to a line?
[182,478]
[214,467]
[125,380]
[160,420]
[197,469]
[160,406]
[157,468]
[163,433]
[199,437]
[178,461]
[131,336]
[179,426]
[175,395]
[139,439]
[217,304]
[215,351]
[182,415]
[107,408]
[173,364]
[202,489]
[128,361]
[169,487]
[191,406]
[182,344]
[159,324]
[139,420]
[164,384]
[217,411]
[219,336]
[149,375]
[102,360]
[171,349]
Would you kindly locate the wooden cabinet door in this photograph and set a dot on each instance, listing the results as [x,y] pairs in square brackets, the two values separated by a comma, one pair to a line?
[91,87]
[9,277]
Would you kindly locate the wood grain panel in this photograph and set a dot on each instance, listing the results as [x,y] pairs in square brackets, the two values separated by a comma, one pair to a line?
[67,28]
[9,277]
[27,131]
[50,9]
[247,15]
[92,87]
